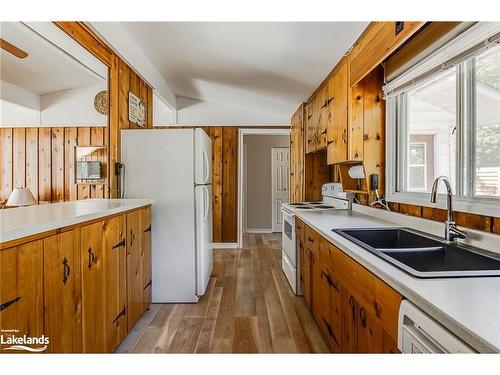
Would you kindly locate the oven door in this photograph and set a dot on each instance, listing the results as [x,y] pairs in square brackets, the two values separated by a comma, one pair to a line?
[288,236]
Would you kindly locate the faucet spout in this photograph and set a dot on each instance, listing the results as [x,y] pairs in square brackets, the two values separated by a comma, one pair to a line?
[451,232]
[434,193]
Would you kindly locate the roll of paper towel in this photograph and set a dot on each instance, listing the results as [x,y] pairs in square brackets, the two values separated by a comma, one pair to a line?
[357,172]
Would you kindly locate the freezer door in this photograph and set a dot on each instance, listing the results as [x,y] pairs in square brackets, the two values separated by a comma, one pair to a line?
[204,258]
[202,158]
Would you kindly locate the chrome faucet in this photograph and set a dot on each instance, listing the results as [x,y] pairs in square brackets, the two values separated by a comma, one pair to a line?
[451,232]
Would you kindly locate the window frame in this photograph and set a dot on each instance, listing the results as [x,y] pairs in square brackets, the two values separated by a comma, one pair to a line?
[396,113]
[424,165]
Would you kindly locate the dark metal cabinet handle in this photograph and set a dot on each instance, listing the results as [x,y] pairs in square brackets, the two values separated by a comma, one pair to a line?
[4,305]
[309,140]
[309,117]
[329,143]
[148,284]
[353,307]
[330,100]
[330,330]
[91,257]
[324,104]
[119,244]
[66,270]
[362,316]
[122,313]
[132,237]
[323,132]
[148,229]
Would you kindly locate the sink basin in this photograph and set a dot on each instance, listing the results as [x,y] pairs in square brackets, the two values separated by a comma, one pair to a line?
[423,255]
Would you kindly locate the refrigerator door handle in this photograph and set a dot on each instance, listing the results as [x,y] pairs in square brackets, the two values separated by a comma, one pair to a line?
[205,167]
[206,203]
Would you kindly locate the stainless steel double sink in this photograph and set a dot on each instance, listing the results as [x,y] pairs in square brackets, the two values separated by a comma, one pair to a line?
[423,255]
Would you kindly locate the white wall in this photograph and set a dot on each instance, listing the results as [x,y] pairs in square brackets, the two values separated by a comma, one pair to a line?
[15,115]
[75,107]
[191,111]
[258,192]
[72,107]
[163,114]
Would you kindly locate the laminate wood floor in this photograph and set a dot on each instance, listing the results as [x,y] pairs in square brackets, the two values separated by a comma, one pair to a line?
[248,308]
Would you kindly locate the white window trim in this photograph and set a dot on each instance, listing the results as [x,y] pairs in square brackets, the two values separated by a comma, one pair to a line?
[477,204]
[489,206]
[420,165]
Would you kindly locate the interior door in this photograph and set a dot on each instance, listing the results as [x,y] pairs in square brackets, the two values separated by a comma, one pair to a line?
[280,184]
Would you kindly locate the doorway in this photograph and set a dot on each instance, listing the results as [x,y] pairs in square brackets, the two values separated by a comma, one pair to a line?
[257,208]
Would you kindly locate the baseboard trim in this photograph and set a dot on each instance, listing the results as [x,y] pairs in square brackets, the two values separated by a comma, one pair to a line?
[259,230]
[225,245]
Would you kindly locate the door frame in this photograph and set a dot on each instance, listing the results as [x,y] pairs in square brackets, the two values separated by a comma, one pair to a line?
[241,164]
[273,208]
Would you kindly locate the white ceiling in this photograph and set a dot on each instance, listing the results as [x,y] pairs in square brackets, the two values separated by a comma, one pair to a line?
[47,68]
[266,67]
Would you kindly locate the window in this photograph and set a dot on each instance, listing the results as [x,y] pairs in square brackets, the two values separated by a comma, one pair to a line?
[444,119]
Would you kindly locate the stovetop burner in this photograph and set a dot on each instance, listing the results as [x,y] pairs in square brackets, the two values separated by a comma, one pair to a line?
[323,206]
[296,204]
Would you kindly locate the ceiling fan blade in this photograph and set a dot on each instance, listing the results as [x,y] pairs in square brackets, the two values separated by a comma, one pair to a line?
[12,49]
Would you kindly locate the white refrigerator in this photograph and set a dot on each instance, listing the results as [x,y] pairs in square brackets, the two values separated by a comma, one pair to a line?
[174,167]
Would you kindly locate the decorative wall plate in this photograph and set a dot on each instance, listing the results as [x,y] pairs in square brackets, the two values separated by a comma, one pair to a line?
[101,102]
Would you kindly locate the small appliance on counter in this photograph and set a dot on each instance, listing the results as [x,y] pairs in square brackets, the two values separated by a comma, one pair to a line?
[334,198]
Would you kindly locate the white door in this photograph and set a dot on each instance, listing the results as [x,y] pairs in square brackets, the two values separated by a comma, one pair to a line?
[280,173]
[202,158]
[204,259]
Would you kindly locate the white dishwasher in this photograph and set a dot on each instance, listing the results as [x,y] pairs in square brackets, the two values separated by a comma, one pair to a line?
[419,333]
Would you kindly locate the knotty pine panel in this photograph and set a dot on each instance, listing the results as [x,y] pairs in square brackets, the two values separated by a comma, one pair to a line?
[43,160]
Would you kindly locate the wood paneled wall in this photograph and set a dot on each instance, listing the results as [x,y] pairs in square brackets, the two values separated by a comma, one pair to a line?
[224,182]
[122,79]
[43,159]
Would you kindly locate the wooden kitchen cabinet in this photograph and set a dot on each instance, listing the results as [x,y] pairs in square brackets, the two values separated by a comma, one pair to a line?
[62,292]
[21,289]
[377,42]
[94,320]
[297,155]
[134,268]
[103,248]
[311,126]
[338,120]
[322,117]
[115,256]
[355,311]
[146,260]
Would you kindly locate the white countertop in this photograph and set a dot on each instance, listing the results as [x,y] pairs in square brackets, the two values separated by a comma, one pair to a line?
[469,307]
[21,222]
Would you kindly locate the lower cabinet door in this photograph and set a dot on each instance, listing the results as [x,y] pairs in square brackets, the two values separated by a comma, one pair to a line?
[146,257]
[370,333]
[115,287]
[306,277]
[134,269]
[21,291]
[350,322]
[93,289]
[62,292]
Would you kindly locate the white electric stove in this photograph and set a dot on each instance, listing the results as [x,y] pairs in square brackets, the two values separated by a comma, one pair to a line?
[334,198]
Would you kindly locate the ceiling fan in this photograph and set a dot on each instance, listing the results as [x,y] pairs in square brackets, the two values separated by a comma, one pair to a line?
[19,53]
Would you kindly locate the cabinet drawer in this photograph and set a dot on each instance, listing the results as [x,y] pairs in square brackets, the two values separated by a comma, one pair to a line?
[312,241]
[379,299]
